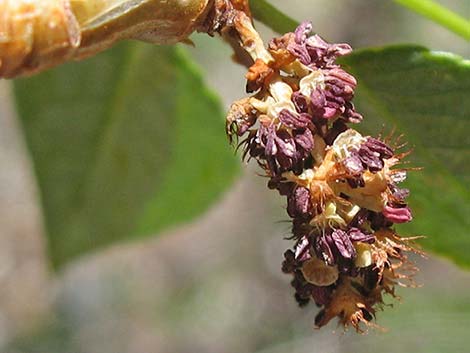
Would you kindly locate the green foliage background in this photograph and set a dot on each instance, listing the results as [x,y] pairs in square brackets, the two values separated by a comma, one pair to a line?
[154,156]
[124,144]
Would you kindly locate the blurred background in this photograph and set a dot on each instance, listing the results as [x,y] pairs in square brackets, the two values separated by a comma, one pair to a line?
[213,285]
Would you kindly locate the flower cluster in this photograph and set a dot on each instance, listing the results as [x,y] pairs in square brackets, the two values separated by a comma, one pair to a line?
[341,187]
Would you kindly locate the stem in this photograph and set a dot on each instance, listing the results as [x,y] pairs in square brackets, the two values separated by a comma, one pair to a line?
[157,21]
[272,17]
[250,39]
[439,14]
[37,35]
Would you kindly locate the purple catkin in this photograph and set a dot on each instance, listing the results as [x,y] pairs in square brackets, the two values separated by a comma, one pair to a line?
[289,146]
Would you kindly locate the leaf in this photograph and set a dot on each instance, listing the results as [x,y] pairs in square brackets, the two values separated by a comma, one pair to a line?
[425,94]
[266,13]
[123,145]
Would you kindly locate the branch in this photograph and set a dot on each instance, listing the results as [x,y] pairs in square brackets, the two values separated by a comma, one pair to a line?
[37,35]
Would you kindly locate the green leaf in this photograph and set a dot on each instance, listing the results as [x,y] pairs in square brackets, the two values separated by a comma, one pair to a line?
[424,95]
[266,13]
[123,145]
